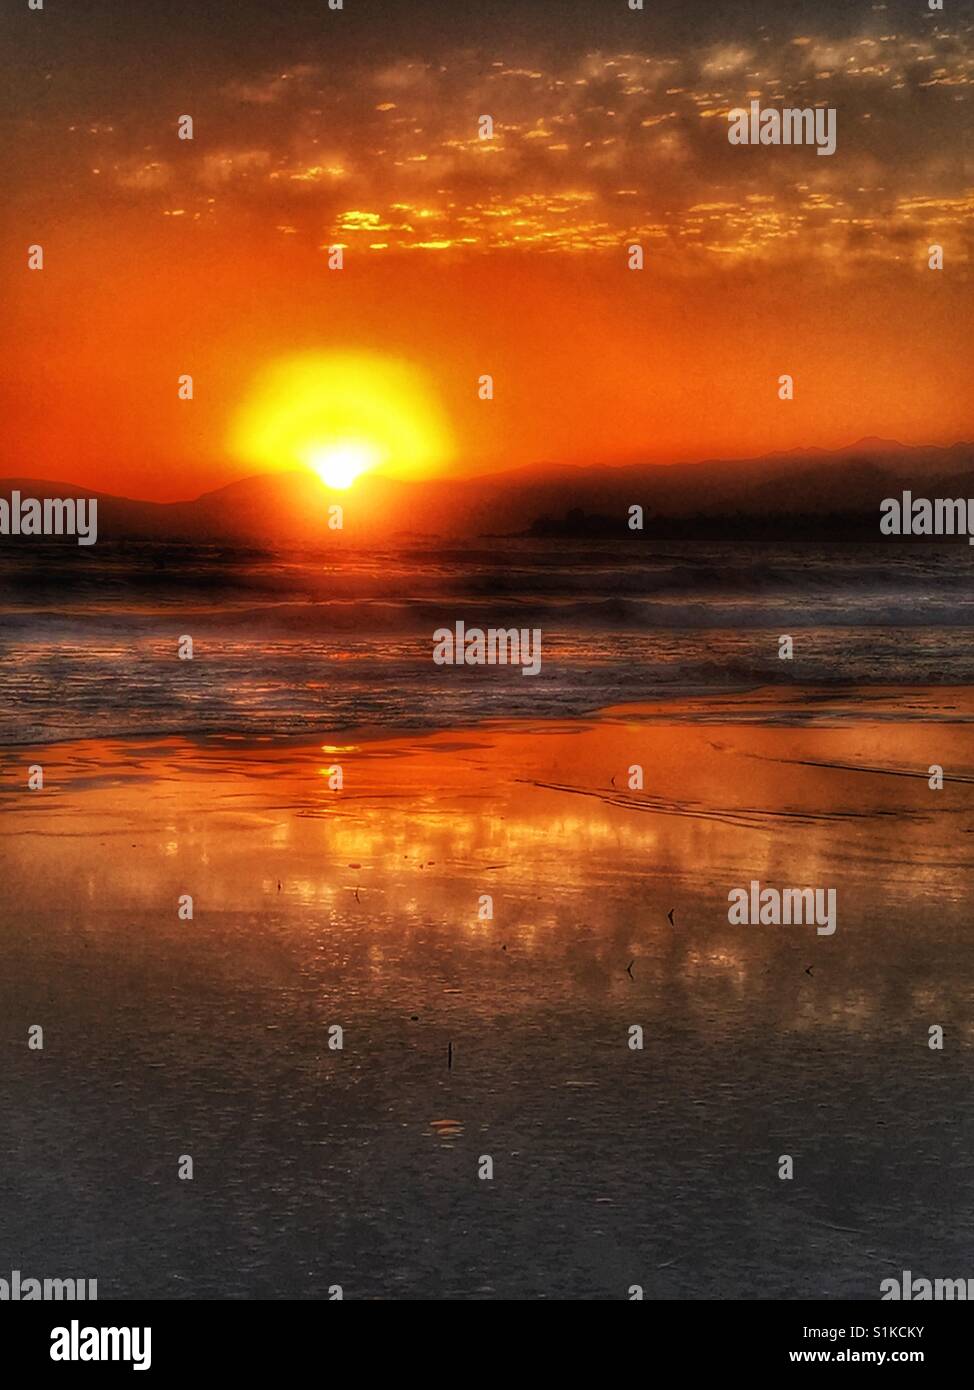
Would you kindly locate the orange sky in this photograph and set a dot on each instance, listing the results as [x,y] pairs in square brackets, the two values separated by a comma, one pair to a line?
[210,257]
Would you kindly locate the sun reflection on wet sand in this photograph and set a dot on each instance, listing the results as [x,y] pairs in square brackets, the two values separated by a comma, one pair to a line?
[361,907]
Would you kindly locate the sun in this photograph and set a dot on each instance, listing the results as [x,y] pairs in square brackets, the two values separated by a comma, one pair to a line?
[338,465]
[342,415]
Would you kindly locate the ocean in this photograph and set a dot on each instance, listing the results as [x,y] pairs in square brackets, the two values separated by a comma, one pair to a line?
[209,1038]
[291,645]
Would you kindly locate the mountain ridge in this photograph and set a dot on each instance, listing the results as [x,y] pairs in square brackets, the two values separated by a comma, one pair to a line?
[293,507]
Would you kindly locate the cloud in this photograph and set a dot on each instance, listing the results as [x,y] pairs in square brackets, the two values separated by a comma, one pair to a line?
[398,146]
[143,177]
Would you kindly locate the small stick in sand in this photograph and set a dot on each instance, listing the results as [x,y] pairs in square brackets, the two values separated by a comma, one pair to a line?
[629,968]
[449,1057]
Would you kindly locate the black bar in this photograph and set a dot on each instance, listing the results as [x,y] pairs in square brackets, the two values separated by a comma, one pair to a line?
[256,1338]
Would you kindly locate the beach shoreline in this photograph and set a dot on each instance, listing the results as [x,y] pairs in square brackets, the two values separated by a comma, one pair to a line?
[608,908]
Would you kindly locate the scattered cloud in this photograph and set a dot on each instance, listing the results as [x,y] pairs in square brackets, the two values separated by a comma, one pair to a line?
[587,151]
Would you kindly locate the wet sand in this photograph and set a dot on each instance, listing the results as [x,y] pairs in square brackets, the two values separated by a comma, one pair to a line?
[359,908]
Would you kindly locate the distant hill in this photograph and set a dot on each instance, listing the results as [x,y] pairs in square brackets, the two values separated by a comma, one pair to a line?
[810,493]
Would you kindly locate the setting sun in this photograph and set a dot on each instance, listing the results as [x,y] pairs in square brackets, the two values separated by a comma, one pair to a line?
[338,465]
[341,415]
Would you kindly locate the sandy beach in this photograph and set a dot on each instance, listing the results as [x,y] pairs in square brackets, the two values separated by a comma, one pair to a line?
[362,908]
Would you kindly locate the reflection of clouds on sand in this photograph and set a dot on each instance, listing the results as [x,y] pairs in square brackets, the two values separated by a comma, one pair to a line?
[217,1028]
[532,816]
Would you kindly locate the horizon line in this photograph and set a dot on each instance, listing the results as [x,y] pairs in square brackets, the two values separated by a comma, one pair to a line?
[876,441]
